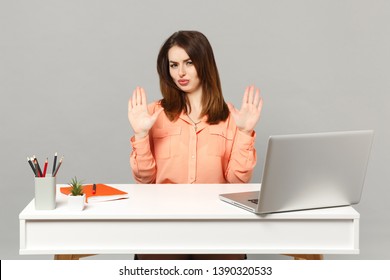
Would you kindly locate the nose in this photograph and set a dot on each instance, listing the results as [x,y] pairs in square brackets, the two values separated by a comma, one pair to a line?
[182,71]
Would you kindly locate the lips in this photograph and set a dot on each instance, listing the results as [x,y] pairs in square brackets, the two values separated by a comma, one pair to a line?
[183,82]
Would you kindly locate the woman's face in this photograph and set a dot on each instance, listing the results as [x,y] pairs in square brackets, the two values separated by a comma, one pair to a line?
[182,70]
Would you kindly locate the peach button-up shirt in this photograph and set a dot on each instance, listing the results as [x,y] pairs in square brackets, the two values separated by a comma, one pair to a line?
[180,152]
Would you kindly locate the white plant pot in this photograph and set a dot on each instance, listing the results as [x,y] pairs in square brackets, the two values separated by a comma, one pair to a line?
[76,203]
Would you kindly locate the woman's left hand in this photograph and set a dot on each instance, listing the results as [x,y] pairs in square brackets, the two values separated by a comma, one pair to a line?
[249,114]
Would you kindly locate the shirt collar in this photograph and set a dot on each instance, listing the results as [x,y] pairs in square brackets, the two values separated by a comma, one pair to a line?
[200,126]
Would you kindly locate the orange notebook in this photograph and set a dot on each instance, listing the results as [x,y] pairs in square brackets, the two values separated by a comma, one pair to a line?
[103,193]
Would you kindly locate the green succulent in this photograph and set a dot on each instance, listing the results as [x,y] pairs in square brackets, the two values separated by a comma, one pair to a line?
[76,187]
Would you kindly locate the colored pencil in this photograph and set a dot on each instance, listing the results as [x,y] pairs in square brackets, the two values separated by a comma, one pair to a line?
[45,168]
[32,165]
[58,167]
[54,164]
[34,160]
[39,168]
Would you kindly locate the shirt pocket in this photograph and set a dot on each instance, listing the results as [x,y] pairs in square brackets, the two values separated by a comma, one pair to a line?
[220,141]
[165,140]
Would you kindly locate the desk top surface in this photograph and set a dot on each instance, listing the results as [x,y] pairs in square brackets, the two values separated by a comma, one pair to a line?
[181,201]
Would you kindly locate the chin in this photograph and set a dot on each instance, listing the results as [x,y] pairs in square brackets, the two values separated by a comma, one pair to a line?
[184,88]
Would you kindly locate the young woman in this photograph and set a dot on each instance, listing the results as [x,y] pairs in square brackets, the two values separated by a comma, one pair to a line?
[192,135]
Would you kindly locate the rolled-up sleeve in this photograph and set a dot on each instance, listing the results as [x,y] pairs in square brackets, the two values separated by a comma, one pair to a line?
[243,158]
[142,162]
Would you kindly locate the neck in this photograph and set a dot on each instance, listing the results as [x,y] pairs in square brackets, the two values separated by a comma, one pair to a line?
[195,100]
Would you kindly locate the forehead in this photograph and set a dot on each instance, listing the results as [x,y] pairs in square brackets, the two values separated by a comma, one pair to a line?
[177,54]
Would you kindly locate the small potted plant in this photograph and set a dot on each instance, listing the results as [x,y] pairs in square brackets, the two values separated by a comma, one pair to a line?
[76,198]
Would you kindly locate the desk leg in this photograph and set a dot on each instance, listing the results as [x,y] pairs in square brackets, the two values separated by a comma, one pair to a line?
[306,256]
[70,257]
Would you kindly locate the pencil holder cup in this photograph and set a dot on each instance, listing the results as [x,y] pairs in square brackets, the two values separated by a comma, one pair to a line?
[45,193]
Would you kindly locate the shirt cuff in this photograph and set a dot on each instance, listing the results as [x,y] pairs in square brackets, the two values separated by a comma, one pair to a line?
[142,146]
[246,141]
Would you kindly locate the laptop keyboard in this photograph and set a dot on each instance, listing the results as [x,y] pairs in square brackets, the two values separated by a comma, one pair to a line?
[255,201]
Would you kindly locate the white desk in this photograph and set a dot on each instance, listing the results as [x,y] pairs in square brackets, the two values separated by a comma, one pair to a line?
[163,219]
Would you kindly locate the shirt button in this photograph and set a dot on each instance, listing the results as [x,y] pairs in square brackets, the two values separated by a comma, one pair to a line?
[192,156]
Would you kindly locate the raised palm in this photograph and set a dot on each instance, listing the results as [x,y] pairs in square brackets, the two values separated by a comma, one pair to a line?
[249,114]
[139,117]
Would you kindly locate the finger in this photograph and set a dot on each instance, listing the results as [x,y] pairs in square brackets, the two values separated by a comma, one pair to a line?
[138,96]
[130,105]
[245,97]
[232,109]
[143,97]
[257,98]
[230,106]
[250,97]
[260,106]
[157,113]
[134,99]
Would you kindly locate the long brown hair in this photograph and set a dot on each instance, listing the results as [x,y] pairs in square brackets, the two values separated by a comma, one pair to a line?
[201,53]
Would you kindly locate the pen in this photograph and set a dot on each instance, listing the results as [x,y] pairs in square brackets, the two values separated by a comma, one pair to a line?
[32,166]
[37,164]
[54,164]
[58,167]
[94,189]
[45,168]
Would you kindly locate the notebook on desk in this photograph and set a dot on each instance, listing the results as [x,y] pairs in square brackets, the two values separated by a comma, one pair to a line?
[101,193]
[309,171]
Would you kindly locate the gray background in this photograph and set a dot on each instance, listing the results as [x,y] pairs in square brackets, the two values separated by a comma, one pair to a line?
[67,69]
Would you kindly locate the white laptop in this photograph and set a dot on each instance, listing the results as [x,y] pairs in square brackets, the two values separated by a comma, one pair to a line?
[309,171]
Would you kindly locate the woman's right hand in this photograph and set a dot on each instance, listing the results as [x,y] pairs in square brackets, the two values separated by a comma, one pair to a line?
[139,117]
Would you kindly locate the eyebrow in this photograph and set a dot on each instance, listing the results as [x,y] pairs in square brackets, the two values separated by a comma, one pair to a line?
[171,61]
